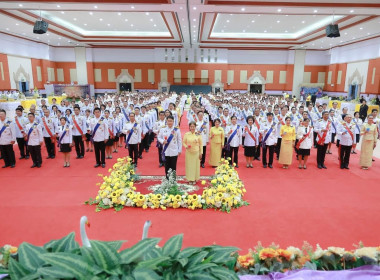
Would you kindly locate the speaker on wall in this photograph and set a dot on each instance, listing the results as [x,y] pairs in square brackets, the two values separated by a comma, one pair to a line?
[40,27]
[332,31]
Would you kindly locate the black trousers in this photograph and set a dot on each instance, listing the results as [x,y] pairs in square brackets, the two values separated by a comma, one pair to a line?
[321,153]
[100,152]
[160,154]
[224,151]
[35,152]
[203,155]
[170,163]
[151,138]
[79,145]
[345,152]
[22,147]
[8,154]
[50,147]
[271,153]
[257,152]
[144,145]
[278,147]
[315,138]
[233,154]
[133,152]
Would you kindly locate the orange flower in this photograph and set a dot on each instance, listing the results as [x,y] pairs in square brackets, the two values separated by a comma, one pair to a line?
[284,254]
[246,261]
[267,253]
[304,259]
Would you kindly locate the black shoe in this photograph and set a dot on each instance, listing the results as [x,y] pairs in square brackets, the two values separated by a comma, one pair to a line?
[80,156]
[346,167]
[103,165]
[52,157]
[48,157]
[5,166]
[38,165]
[324,166]
[203,166]
[341,167]
[140,157]
[34,165]
[265,166]
[27,157]
[373,160]
[12,166]
[96,165]
[21,157]
[161,164]
[319,166]
[237,166]
[270,166]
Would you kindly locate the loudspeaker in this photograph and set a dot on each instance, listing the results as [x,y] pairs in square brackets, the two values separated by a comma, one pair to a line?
[40,27]
[332,31]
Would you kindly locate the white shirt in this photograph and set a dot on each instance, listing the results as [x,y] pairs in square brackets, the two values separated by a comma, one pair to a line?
[321,125]
[264,129]
[136,135]
[302,131]
[345,137]
[22,121]
[205,130]
[101,133]
[9,133]
[51,125]
[237,139]
[248,140]
[80,120]
[36,135]
[68,138]
[175,146]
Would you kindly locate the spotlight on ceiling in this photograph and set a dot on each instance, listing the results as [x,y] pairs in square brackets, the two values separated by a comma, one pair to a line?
[332,31]
[40,27]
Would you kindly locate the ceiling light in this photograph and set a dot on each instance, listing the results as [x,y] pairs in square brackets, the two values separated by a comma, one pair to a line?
[85,24]
[361,28]
[194,8]
[147,13]
[151,19]
[126,19]
[17,24]
[155,25]
[278,21]
[101,19]
[303,21]
[194,19]
[228,20]
[58,6]
[74,18]
[315,11]
[119,14]
[132,7]
[91,13]
[252,21]
[279,10]
[20,5]
[132,25]
[352,11]
[62,12]
[95,7]
[243,9]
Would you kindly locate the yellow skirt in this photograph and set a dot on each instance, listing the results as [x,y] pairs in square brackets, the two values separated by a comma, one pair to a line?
[192,166]
[215,154]
[286,152]
[366,153]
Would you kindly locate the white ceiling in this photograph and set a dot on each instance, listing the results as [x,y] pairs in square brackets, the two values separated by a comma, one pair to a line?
[243,24]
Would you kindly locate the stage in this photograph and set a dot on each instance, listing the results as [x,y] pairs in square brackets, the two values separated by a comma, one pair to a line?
[331,207]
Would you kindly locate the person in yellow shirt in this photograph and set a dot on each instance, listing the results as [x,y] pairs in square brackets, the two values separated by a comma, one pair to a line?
[216,143]
[194,148]
[369,133]
[288,134]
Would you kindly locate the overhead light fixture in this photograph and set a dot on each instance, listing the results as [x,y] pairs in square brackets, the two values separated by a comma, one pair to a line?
[194,8]
[315,11]
[132,7]
[20,5]
[101,19]
[352,11]
[243,9]
[279,10]
[147,13]
[119,14]
[58,6]
[62,12]
[91,13]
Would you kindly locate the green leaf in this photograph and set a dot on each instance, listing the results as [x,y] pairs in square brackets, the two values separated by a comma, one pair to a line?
[197,258]
[220,257]
[187,252]
[16,270]
[71,263]
[201,267]
[66,244]
[30,256]
[54,272]
[153,254]
[183,262]
[105,256]
[152,264]
[32,276]
[115,244]
[173,245]
[138,250]
[145,274]
[223,273]
[200,276]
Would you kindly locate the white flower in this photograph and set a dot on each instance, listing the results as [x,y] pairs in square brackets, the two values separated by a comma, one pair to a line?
[295,252]
[106,201]
[123,197]
[369,252]
[319,252]
[336,250]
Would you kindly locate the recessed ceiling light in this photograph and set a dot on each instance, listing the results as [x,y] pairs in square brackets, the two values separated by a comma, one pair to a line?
[119,14]
[228,20]
[20,5]
[154,25]
[243,9]
[194,19]
[265,31]
[315,11]
[361,28]
[279,10]
[151,19]
[252,21]
[352,11]
[126,19]
[132,25]
[95,7]
[109,24]
[303,21]
[147,13]
[17,24]
[132,7]
[278,21]
[101,19]
[194,8]
[85,24]
[91,13]
[62,12]
[74,18]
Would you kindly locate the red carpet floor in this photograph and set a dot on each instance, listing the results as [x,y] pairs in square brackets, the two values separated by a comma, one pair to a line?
[329,207]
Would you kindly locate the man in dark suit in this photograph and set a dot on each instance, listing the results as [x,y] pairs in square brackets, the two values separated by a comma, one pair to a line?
[363,111]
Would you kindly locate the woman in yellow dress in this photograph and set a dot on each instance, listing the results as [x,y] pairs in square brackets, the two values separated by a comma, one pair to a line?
[369,133]
[288,134]
[216,143]
[194,148]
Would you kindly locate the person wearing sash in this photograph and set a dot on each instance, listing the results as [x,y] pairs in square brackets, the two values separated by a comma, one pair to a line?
[234,140]
[192,142]
[99,135]
[145,130]
[258,120]
[159,124]
[118,126]
[20,122]
[251,141]
[225,122]
[280,122]
[358,124]
[369,139]
[78,129]
[305,142]
[269,132]
[111,132]
[216,143]
[65,140]
[87,119]
[120,116]
[323,129]
[7,139]
[170,138]
[334,125]
[347,139]
[288,135]
[49,127]
[132,130]
[34,139]
[317,115]
[203,129]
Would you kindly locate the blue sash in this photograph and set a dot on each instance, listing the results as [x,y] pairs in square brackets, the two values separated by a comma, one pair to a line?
[332,123]
[61,138]
[356,124]
[267,135]
[167,144]
[67,119]
[125,114]
[118,130]
[130,135]
[147,127]
[244,115]
[232,137]
[200,130]
[29,132]
[4,127]
[311,119]
[96,128]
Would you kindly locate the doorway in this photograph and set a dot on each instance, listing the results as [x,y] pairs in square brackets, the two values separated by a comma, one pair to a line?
[256,88]
[125,87]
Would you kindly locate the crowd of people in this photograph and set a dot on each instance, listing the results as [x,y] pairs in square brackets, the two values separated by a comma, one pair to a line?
[265,126]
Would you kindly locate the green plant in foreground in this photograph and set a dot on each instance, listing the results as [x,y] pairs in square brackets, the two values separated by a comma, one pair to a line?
[65,259]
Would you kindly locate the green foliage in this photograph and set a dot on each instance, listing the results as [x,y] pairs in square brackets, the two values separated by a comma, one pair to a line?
[64,259]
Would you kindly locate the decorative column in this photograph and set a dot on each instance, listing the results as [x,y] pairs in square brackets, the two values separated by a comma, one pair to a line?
[299,68]
[81,65]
